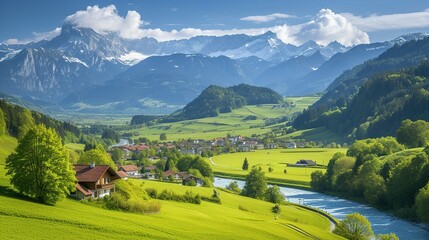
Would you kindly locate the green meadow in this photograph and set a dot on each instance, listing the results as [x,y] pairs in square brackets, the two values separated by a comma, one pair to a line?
[230,164]
[233,123]
[22,218]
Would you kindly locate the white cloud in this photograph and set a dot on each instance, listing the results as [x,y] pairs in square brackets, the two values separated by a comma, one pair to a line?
[266,18]
[107,19]
[390,21]
[324,28]
[327,27]
[36,37]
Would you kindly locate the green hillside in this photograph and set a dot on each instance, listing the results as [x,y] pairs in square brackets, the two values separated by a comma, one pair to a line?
[214,100]
[72,219]
[234,123]
[343,90]
[381,104]
[230,164]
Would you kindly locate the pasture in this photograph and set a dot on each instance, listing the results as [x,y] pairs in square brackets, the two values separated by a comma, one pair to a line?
[22,218]
[230,164]
[233,123]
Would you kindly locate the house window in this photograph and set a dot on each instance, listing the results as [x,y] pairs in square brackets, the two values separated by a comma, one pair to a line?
[105,190]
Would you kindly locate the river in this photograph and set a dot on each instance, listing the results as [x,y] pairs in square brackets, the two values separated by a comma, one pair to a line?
[381,222]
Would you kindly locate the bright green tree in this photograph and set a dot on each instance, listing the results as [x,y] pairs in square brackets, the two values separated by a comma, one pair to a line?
[274,195]
[245,165]
[390,236]
[413,134]
[163,137]
[355,227]
[256,184]
[422,204]
[97,156]
[40,166]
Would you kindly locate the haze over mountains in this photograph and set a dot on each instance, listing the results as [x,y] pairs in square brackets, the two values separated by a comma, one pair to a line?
[83,70]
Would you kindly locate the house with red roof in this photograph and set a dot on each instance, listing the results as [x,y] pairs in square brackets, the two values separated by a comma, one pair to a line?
[94,180]
[131,170]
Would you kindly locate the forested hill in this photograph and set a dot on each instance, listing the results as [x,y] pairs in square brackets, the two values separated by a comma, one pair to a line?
[214,100]
[345,87]
[16,121]
[381,104]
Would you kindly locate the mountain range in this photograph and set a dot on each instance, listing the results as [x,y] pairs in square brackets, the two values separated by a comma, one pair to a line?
[82,70]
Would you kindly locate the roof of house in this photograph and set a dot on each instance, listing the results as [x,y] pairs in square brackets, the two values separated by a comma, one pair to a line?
[129,168]
[122,174]
[304,161]
[169,172]
[83,189]
[86,173]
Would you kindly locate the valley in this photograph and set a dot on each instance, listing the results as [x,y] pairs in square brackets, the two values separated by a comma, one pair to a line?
[190,120]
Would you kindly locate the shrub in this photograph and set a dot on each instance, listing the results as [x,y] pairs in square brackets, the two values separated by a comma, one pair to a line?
[243,208]
[276,209]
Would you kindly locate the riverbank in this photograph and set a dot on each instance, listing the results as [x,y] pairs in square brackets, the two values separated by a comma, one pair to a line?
[382,222]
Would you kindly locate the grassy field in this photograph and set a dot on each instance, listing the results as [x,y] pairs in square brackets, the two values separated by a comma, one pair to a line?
[230,164]
[75,146]
[22,218]
[220,126]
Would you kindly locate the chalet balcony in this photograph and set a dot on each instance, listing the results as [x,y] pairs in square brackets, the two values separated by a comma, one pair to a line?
[107,185]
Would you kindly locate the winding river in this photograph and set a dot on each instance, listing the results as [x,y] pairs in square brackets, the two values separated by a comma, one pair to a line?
[339,208]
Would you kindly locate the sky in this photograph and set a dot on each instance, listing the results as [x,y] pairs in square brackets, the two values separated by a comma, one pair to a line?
[349,22]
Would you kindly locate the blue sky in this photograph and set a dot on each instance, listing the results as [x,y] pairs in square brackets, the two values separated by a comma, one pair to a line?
[349,22]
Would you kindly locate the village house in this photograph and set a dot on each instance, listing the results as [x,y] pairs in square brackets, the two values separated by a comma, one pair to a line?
[174,174]
[131,170]
[94,181]
[291,145]
[188,177]
[303,163]
[149,172]
[122,174]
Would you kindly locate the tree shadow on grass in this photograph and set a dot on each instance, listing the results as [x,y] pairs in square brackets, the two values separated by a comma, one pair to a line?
[11,193]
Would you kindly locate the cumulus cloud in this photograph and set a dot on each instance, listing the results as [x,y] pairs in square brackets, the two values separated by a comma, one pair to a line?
[328,26]
[266,18]
[107,19]
[390,21]
[324,28]
[37,36]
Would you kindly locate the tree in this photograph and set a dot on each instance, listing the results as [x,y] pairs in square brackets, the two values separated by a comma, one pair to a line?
[355,227]
[256,184]
[318,180]
[270,169]
[274,195]
[233,186]
[97,156]
[169,165]
[413,134]
[40,166]
[117,154]
[2,123]
[245,166]
[422,204]
[110,134]
[163,137]
[390,236]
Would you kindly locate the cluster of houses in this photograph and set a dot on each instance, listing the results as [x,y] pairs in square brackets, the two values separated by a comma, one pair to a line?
[197,146]
[97,181]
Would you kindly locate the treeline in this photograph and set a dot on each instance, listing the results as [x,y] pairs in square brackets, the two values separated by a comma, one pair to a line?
[18,120]
[146,120]
[383,174]
[379,107]
[342,91]
[214,100]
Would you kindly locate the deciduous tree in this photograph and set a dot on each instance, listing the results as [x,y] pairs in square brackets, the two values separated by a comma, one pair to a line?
[40,166]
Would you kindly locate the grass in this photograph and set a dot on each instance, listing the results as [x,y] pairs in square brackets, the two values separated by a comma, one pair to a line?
[71,219]
[230,164]
[75,146]
[318,135]
[232,123]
